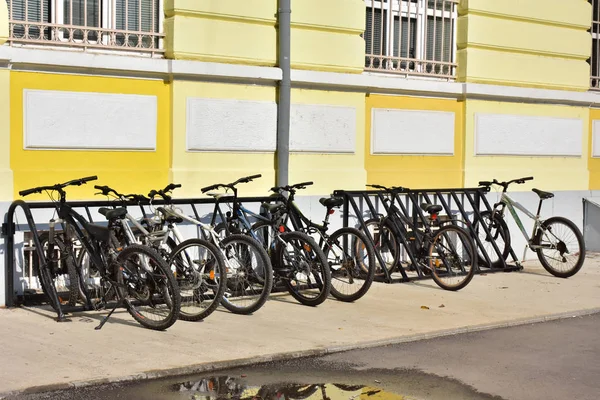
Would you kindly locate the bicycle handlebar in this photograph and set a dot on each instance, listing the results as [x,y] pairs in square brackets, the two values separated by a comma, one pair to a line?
[505,183]
[389,189]
[231,185]
[58,186]
[291,188]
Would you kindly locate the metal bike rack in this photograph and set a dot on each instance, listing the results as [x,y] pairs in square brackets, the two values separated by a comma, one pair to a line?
[9,228]
[464,203]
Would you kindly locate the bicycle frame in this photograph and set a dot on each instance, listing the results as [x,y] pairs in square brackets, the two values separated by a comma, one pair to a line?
[507,202]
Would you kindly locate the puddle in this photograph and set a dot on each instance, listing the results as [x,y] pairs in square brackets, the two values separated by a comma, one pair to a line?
[226,387]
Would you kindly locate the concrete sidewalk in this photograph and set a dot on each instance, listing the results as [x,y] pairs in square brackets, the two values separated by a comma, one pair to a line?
[37,351]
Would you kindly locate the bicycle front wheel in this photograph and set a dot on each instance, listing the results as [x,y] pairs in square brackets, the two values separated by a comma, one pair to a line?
[352,262]
[303,268]
[452,258]
[200,270]
[386,243]
[148,287]
[249,274]
[561,247]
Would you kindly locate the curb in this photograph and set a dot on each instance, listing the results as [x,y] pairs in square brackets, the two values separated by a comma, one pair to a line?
[241,362]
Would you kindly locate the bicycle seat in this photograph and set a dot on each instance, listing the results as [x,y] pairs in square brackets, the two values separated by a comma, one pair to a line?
[113,213]
[169,215]
[431,208]
[331,202]
[542,194]
[273,208]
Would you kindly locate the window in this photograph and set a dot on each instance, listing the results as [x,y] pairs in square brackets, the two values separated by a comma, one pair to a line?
[411,36]
[115,24]
[595,30]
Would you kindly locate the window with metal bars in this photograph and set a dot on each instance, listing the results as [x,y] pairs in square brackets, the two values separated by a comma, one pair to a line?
[594,60]
[411,36]
[103,23]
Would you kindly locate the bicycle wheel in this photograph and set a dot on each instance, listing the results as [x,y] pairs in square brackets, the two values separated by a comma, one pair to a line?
[452,258]
[349,255]
[303,268]
[91,278]
[562,249]
[62,272]
[386,244]
[200,270]
[249,274]
[499,234]
[148,287]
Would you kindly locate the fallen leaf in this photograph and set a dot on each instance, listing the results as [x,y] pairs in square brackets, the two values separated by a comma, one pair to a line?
[424,308]
[376,381]
[442,306]
[244,375]
[503,287]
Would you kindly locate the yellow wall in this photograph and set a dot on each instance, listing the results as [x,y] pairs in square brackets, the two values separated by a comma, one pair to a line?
[415,171]
[331,171]
[538,43]
[594,163]
[6,175]
[129,171]
[196,169]
[244,32]
[550,173]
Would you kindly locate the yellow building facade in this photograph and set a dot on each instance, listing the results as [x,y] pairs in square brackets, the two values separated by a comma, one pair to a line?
[422,94]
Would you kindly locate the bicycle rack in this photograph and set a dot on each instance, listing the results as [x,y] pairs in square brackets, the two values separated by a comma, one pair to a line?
[454,202]
[9,229]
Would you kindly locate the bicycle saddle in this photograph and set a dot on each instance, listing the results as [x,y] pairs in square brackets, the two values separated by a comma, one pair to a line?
[169,215]
[113,213]
[542,194]
[273,208]
[219,196]
[431,208]
[331,202]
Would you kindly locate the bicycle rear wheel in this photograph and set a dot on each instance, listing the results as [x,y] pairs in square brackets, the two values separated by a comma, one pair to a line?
[148,287]
[352,263]
[249,275]
[562,249]
[452,258]
[386,243]
[303,268]
[200,270]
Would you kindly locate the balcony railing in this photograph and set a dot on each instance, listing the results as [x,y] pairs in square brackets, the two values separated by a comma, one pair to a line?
[123,25]
[411,37]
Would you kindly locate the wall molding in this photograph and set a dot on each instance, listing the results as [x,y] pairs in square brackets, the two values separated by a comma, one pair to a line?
[77,62]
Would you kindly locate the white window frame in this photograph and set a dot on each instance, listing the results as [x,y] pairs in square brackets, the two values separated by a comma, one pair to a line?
[412,10]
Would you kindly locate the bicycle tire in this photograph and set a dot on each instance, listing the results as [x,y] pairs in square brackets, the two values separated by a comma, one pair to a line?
[315,256]
[462,237]
[562,247]
[125,270]
[262,277]
[65,255]
[353,269]
[498,229]
[392,247]
[196,283]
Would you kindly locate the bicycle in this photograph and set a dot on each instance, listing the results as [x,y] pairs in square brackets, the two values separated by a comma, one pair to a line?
[568,252]
[296,259]
[249,274]
[443,250]
[137,276]
[350,256]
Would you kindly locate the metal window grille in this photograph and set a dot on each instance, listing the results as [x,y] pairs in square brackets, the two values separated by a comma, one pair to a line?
[411,37]
[132,25]
[595,30]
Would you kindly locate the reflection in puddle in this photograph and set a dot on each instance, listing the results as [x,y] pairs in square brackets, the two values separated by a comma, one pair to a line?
[226,387]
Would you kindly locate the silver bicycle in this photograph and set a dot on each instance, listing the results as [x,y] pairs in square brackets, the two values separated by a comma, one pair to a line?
[557,240]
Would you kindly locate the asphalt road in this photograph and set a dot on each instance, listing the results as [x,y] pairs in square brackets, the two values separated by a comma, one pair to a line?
[552,360]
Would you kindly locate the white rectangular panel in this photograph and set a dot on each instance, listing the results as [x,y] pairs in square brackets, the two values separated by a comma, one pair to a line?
[501,134]
[88,121]
[322,128]
[596,138]
[412,132]
[235,125]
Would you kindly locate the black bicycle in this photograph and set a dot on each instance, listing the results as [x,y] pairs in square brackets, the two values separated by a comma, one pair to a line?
[442,249]
[349,254]
[136,276]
